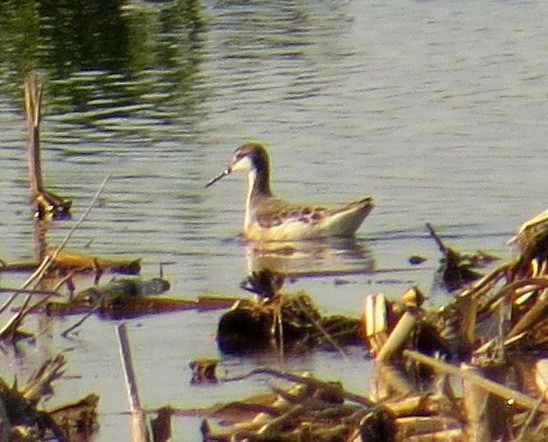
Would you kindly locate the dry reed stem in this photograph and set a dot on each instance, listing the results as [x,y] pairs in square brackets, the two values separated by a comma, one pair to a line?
[398,336]
[491,386]
[510,288]
[482,286]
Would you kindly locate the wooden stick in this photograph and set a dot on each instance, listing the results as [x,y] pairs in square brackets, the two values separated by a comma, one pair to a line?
[33,102]
[141,430]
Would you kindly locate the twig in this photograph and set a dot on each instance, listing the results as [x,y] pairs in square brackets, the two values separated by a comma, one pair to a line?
[531,417]
[28,282]
[77,224]
[81,321]
[443,248]
[11,326]
[30,291]
[306,380]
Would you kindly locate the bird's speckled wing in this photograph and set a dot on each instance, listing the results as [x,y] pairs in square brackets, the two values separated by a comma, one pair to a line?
[273,212]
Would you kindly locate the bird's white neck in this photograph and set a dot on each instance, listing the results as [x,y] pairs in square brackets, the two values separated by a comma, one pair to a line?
[251,178]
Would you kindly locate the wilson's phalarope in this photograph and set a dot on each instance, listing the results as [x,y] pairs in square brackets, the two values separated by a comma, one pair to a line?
[268,218]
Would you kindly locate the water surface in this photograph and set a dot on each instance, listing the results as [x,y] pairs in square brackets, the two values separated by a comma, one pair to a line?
[438,109]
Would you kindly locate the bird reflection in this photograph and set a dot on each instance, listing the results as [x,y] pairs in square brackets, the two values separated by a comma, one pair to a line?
[295,259]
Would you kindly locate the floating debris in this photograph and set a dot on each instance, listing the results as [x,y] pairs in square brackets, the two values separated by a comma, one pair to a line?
[77,420]
[281,321]
[416,260]
[203,371]
[120,288]
[457,269]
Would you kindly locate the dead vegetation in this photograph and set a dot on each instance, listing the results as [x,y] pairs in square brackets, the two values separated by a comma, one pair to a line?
[473,369]
[23,420]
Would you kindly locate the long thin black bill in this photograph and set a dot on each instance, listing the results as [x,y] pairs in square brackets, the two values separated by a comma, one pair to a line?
[217,178]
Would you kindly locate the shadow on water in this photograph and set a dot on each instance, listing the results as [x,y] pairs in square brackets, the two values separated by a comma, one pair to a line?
[105,60]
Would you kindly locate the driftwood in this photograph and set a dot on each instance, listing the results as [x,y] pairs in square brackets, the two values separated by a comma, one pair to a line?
[70,265]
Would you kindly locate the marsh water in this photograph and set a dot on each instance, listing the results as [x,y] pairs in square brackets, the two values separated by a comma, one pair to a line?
[438,109]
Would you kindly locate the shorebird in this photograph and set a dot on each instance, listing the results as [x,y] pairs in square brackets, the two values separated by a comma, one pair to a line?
[268,218]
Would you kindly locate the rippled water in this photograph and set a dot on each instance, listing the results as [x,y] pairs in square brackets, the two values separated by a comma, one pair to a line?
[438,109]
